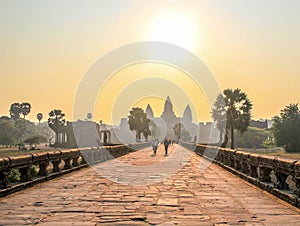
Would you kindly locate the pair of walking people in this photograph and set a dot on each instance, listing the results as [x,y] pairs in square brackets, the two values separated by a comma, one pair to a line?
[155,144]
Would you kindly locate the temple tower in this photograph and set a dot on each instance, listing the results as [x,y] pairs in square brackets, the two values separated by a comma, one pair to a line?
[168,114]
[149,112]
[187,115]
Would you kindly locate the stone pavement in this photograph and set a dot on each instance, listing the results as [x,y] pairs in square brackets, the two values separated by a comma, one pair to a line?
[210,196]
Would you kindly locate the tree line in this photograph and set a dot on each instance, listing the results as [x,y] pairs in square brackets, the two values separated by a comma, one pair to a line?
[231,112]
[17,130]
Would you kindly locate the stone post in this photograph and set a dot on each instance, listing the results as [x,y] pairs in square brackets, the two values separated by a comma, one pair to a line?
[237,160]
[296,177]
[55,159]
[43,171]
[42,160]
[67,163]
[25,173]
[283,168]
[55,164]
[253,164]
[266,165]
[4,172]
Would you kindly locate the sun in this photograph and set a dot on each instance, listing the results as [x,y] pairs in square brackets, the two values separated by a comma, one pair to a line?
[176,28]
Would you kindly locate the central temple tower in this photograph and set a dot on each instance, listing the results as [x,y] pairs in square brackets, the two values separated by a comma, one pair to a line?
[168,114]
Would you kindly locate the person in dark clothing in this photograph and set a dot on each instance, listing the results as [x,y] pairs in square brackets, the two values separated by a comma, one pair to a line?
[166,143]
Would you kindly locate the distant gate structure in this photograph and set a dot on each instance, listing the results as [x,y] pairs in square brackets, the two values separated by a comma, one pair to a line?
[105,136]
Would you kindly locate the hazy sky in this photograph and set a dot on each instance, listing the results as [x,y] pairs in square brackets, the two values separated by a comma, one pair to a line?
[47,47]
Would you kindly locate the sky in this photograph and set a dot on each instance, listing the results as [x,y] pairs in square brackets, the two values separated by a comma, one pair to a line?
[47,48]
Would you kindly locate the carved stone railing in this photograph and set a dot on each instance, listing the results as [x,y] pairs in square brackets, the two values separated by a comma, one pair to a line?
[52,164]
[277,175]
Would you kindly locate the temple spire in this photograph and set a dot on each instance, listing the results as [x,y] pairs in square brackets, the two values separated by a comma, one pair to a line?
[149,112]
[187,115]
[168,114]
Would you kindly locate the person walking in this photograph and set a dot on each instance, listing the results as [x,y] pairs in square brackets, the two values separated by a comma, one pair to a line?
[154,146]
[166,143]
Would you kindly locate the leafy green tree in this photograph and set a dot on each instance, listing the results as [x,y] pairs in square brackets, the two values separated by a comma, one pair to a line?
[236,107]
[21,126]
[47,132]
[56,122]
[35,139]
[15,111]
[89,116]
[139,122]
[268,144]
[154,129]
[252,138]
[146,133]
[219,116]
[286,128]
[177,130]
[7,133]
[185,135]
[181,133]
[25,108]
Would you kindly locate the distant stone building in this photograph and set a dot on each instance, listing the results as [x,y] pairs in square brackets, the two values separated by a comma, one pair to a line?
[261,124]
[168,120]
[168,114]
[91,134]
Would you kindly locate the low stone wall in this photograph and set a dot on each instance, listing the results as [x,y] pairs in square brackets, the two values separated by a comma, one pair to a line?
[276,175]
[53,164]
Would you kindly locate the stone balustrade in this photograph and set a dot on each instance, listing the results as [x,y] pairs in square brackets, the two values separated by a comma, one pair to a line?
[50,164]
[40,161]
[277,175]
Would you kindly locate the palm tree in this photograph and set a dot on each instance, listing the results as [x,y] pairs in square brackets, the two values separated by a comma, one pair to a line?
[25,108]
[235,106]
[39,117]
[56,122]
[139,122]
[219,115]
[89,116]
[21,126]
[15,111]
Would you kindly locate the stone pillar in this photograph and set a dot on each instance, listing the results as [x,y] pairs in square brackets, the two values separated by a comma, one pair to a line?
[25,173]
[4,172]
[253,164]
[55,164]
[266,165]
[237,160]
[43,171]
[281,181]
[296,177]
[4,183]
[264,174]
[67,163]
[75,161]
[283,168]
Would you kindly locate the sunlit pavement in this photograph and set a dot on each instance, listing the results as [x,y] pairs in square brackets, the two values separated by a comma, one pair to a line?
[191,196]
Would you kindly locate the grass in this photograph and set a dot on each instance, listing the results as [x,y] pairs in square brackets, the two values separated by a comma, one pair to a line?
[14,151]
[280,152]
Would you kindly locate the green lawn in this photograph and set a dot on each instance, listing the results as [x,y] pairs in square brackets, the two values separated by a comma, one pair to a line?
[5,152]
[280,152]
[10,152]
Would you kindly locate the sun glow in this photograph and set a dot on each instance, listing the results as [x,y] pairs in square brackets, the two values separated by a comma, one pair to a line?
[174,28]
